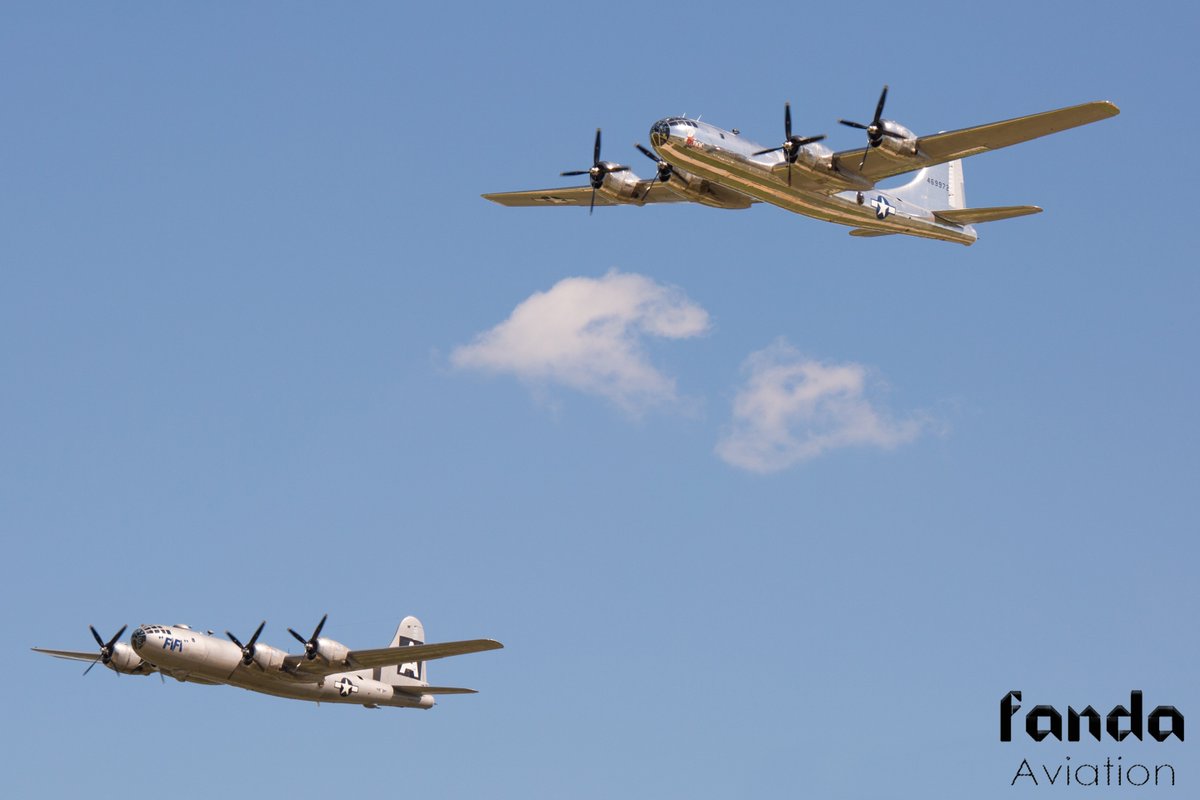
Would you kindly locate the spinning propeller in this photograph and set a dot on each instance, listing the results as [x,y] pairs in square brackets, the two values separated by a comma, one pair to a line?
[792,144]
[310,644]
[876,130]
[597,172]
[248,647]
[665,170]
[106,648]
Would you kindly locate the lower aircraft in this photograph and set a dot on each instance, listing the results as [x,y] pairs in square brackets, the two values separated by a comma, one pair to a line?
[326,672]
[702,163]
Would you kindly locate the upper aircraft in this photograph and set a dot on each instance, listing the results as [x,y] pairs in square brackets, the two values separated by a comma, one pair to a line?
[326,672]
[702,163]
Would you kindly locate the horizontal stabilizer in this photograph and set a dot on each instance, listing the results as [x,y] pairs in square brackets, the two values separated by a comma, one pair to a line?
[420,690]
[870,232]
[969,216]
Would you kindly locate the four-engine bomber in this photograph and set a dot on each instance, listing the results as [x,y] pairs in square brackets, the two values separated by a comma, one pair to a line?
[326,672]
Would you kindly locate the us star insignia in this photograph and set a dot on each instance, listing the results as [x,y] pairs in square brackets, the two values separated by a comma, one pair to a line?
[346,687]
[882,207]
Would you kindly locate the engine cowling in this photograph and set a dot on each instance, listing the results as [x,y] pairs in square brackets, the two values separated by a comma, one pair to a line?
[268,657]
[332,651]
[899,140]
[699,190]
[125,660]
[619,187]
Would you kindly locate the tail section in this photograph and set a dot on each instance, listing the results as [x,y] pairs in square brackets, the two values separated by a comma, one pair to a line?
[410,632]
[940,189]
[935,188]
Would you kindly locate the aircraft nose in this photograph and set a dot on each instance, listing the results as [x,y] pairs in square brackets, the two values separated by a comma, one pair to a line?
[660,132]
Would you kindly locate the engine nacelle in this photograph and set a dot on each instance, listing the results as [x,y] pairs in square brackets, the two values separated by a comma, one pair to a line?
[126,661]
[620,187]
[331,651]
[903,147]
[699,190]
[268,657]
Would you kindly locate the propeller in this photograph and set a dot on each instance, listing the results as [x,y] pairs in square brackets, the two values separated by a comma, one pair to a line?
[665,170]
[876,130]
[598,170]
[248,647]
[106,648]
[310,644]
[792,144]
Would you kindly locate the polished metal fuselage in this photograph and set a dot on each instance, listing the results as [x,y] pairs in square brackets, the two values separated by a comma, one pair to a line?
[728,159]
[196,657]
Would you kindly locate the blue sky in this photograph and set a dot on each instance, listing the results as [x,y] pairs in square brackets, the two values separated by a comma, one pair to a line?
[261,359]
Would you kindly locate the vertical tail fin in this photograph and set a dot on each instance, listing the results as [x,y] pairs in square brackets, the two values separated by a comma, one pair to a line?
[936,188]
[410,632]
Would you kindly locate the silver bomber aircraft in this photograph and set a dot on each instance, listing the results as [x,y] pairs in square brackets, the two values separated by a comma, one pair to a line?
[326,672]
[701,163]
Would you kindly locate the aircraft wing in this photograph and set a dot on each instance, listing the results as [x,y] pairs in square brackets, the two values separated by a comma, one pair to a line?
[942,147]
[419,690]
[387,657]
[73,655]
[582,196]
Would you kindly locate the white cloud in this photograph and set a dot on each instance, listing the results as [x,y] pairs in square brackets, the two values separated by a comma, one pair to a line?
[793,408]
[587,333]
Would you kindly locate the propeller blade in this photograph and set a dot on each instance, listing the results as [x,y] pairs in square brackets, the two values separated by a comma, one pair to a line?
[596,149]
[618,168]
[768,150]
[321,624]
[254,638]
[116,636]
[592,206]
[575,172]
[808,140]
[879,106]
[645,152]
[234,639]
[89,669]
[787,120]
[96,636]
[299,638]
[850,124]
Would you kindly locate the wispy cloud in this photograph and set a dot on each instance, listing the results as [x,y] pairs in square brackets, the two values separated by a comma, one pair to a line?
[587,334]
[793,409]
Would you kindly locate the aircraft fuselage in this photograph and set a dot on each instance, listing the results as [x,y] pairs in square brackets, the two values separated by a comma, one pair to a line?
[196,657]
[727,158]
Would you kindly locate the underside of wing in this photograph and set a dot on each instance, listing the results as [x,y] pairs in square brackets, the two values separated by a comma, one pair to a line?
[73,655]
[571,196]
[970,216]
[942,147]
[870,232]
[388,656]
[644,192]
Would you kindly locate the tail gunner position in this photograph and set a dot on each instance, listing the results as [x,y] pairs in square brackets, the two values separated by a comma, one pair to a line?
[701,163]
[326,672]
